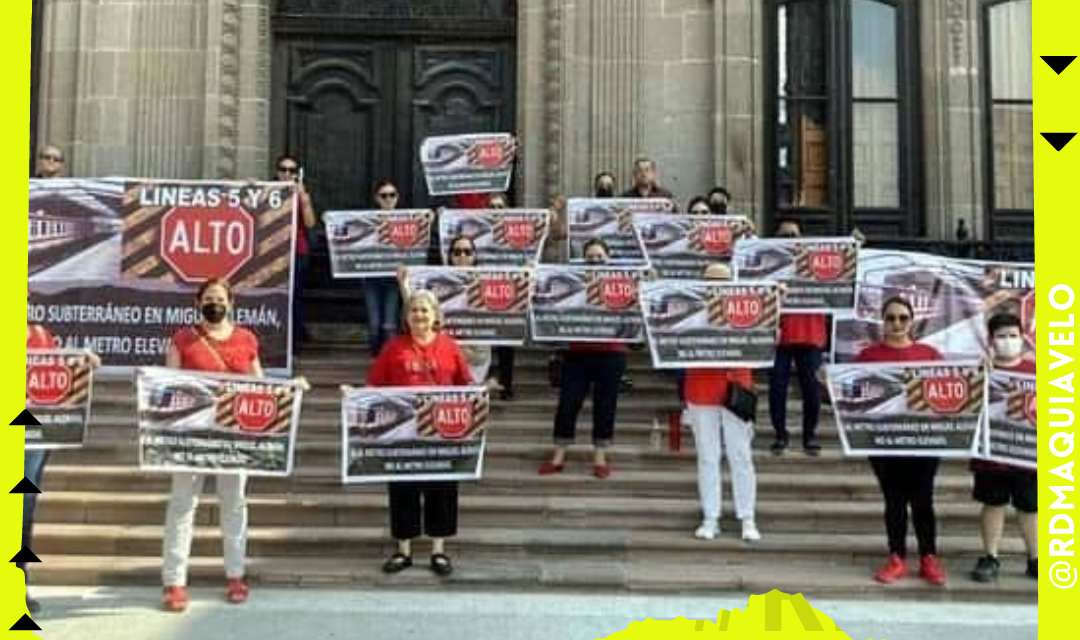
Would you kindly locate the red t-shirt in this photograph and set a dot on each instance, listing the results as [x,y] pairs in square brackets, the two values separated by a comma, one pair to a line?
[598,347]
[301,231]
[38,337]
[405,363]
[915,352]
[1024,366]
[471,200]
[804,330]
[200,352]
[709,387]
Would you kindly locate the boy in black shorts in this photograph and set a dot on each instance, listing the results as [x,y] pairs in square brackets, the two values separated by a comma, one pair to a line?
[996,485]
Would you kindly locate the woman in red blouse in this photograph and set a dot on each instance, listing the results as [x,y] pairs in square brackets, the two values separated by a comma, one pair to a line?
[905,480]
[423,357]
[215,345]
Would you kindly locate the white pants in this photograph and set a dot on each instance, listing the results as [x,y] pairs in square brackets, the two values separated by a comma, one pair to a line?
[708,423]
[180,518]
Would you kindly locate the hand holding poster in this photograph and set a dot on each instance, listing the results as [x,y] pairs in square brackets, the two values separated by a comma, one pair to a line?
[485,305]
[407,434]
[1009,431]
[58,393]
[371,244]
[575,303]
[886,409]
[476,163]
[216,423]
[114,266]
[953,299]
[681,246]
[612,220]
[698,324]
[503,237]
[820,273]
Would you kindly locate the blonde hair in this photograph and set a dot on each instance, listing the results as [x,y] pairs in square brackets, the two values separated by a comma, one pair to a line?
[717,271]
[423,296]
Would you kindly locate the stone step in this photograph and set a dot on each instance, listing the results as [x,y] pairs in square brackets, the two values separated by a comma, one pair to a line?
[573,575]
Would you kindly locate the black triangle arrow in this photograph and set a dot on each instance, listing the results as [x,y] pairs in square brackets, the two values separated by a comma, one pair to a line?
[26,555]
[1058,63]
[1058,140]
[25,486]
[26,419]
[26,624]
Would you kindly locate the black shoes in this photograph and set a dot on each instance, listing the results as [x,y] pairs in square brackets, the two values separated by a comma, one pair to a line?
[397,563]
[441,565]
[811,447]
[32,605]
[779,447]
[987,569]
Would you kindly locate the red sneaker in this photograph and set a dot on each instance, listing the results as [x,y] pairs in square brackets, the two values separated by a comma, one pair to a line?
[931,570]
[236,591]
[550,469]
[894,569]
[174,599]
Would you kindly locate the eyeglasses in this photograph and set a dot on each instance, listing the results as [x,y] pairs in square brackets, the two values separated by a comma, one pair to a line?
[901,319]
[51,157]
[462,253]
[288,169]
[594,259]
[387,195]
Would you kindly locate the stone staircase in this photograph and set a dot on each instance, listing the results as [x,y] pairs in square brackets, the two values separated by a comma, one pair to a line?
[100,518]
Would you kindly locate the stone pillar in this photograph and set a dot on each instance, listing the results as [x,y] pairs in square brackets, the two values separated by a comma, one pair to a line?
[952,117]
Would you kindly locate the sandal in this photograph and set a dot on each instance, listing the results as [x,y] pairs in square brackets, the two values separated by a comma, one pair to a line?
[397,563]
[441,565]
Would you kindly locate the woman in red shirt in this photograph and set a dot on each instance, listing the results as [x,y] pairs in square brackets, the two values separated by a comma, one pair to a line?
[423,357]
[905,480]
[215,345]
[717,430]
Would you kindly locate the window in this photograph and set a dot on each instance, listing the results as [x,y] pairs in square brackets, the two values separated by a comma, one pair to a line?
[1008,121]
[842,115]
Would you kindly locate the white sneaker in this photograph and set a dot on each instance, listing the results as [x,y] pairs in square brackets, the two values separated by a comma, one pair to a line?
[750,532]
[707,531]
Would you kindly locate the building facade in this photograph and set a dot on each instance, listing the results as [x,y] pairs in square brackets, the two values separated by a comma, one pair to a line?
[900,117]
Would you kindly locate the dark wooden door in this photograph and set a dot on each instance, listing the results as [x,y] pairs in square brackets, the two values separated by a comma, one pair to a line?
[38,20]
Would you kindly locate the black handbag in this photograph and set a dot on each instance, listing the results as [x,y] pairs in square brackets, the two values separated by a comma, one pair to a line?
[742,402]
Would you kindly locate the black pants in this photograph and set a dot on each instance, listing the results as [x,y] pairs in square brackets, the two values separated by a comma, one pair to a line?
[582,372]
[504,367]
[908,481]
[807,361]
[430,508]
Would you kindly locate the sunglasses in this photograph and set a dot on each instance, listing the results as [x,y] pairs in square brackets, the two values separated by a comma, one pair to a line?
[462,253]
[386,195]
[288,169]
[703,211]
[51,158]
[892,318]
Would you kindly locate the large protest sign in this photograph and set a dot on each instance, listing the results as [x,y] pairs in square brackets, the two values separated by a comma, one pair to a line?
[114,267]
[503,237]
[953,299]
[611,219]
[484,305]
[695,324]
[369,244]
[680,247]
[216,423]
[908,409]
[820,273]
[58,393]
[1009,429]
[574,303]
[475,163]
[421,433]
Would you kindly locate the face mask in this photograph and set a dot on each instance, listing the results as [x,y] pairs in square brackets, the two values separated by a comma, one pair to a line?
[605,192]
[718,206]
[214,313]
[1008,348]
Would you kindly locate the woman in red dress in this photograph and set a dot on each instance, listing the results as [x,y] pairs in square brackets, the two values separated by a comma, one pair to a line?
[215,345]
[905,480]
[423,357]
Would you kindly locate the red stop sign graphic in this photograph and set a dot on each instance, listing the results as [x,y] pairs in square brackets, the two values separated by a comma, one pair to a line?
[743,311]
[499,293]
[1031,407]
[618,292]
[717,240]
[453,419]
[47,384]
[826,265]
[404,233]
[520,233]
[254,411]
[946,394]
[204,243]
[1027,317]
[489,155]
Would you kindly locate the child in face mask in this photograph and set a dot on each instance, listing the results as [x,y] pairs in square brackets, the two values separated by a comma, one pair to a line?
[998,484]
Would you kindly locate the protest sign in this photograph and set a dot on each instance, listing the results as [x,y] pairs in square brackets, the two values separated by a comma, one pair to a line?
[59,387]
[612,220]
[1009,429]
[820,273]
[474,163]
[503,237]
[483,305]
[576,303]
[681,246]
[373,244]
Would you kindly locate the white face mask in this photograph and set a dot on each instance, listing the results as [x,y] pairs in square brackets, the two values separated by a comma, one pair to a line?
[1008,348]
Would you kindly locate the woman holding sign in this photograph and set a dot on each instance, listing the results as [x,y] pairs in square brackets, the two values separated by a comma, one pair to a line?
[905,480]
[215,345]
[423,357]
[382,299]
